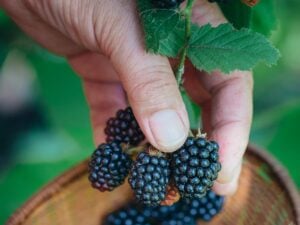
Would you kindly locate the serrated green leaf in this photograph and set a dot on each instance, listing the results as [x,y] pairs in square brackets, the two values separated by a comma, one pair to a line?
[237,13]
[264,18]
[164,29]
[226,49]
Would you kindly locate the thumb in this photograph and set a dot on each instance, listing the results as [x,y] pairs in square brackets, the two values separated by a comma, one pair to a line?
[155,98]
[152,92]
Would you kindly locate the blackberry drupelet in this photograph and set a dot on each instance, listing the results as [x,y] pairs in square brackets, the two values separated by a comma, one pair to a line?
[195,166]
[204,208]
[126,216]
[149,177]
[167,4]
[180,218]
[109,166]
[124,128]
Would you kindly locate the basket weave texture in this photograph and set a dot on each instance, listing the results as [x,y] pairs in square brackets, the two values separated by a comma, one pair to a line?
[266,196]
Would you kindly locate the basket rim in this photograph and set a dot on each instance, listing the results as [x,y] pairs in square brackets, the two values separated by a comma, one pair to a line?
[80,169]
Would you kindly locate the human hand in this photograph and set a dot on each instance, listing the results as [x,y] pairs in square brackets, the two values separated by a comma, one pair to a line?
[103,42]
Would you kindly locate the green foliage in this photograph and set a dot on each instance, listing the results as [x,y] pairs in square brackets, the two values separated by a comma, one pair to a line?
[192,109]
[5,36]
[3,19]
[260,18]
[164,29]
[227,49]
[222,48]
[276,130]
[22,180]
[237,13]
[263,17]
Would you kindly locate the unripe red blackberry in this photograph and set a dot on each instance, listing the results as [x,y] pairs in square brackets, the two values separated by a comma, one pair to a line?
[109,166]
[195,166]
[124,128]
[149,177]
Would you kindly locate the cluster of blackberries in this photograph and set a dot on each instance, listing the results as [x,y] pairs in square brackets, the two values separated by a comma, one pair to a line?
[192,169]
[110,165]
[195,166]
[167,4]
[184,212]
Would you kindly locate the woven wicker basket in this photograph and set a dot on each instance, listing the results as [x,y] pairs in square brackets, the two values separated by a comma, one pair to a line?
[266,196]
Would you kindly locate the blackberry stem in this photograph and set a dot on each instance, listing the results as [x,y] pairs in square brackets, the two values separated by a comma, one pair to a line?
[187,13]
[134,150]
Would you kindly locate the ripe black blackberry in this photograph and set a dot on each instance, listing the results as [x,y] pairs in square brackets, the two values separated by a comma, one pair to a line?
[124,128]
[149,177]
[204,208]
[160,213]
[167,4]
[180,218]
[109,166]
[195,166]
[126,216]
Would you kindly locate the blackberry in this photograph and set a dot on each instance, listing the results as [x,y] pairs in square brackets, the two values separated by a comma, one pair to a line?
[124,128]
[204,208]
[167,4]
[160,213]
[109,166]
[149,177]
[195,166]
[180,218]
[126,216]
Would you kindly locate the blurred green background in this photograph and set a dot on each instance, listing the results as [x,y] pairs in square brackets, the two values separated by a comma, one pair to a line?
[44,119]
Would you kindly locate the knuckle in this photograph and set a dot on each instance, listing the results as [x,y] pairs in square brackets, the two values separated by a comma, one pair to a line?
[112,26]
[154,89]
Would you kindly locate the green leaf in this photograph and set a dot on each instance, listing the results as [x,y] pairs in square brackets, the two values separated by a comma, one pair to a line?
[4,19]
[226,49]
[193,111]
[164,29]
[264,17]
[237,13]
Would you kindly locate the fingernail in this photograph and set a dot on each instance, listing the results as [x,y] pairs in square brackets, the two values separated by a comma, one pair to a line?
[168,130]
